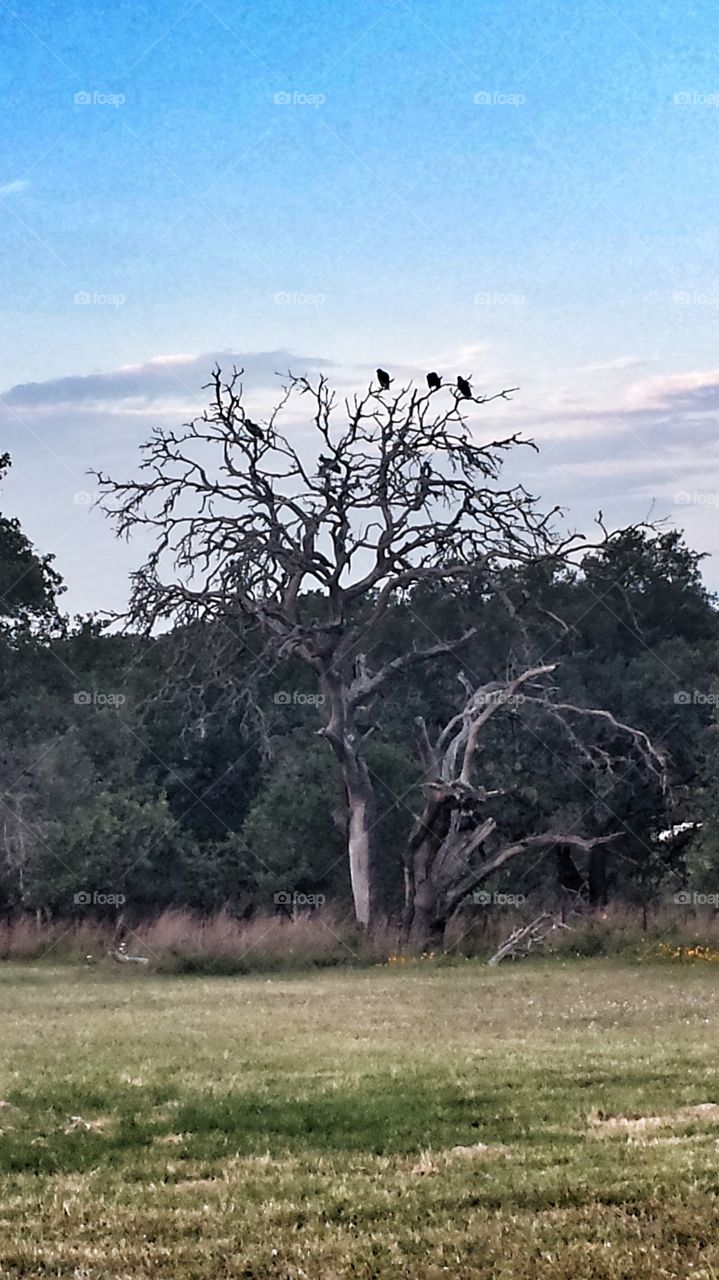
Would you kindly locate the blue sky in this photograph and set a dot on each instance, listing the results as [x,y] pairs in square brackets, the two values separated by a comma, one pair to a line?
[523,191]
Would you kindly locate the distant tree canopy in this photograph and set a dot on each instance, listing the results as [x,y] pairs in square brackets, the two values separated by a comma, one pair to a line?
[191,769]
[28,583]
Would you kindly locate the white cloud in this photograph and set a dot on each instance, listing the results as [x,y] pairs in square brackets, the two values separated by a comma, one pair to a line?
[681,391]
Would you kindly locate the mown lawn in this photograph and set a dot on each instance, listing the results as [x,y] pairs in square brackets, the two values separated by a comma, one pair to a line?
[422,1123]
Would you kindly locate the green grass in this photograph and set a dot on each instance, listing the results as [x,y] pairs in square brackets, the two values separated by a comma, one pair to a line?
[307,1127]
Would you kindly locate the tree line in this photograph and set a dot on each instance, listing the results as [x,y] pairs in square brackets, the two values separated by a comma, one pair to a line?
[358,666]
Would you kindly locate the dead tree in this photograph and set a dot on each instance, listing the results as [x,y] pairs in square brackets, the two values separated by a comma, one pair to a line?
[457,843]
[355,505]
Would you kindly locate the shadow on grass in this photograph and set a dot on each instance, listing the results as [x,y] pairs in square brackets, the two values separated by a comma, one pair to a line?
[378,1114]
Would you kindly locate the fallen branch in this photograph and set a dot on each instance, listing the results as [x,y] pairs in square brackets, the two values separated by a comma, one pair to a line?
[121,956]
[525,937]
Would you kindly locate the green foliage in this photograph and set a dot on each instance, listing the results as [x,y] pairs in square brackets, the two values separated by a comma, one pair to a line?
[398,797]
[183,792]
[295,829]
[118,849]
[28,583]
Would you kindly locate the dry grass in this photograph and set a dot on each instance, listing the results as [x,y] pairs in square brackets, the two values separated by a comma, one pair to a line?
[181,942]
[681,1117]
[25,939]
[177,940]
[408,1123]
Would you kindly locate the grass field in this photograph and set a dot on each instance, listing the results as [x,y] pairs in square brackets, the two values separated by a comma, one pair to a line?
[547,1120]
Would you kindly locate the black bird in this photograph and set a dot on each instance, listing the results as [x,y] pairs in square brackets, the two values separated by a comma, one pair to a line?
[254,430]
[434,381]
[464,388]
[329,464]
[384,379]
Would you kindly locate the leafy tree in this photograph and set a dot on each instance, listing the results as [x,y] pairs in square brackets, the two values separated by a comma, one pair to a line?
[29,585]
[117,850]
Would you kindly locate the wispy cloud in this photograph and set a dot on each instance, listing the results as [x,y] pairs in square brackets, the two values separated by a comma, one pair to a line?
[168,379]
[615,366]
[14,188]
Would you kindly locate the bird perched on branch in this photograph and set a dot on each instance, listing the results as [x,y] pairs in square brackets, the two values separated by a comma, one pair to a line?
[434,381]
[384,379]
[254,430]
[329,464]
[464,388]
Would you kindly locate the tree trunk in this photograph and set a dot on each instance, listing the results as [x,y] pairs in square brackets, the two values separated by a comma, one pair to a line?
[421,905]
[360,800]
[597,877]
[424,919]
[360,813]
[569,879]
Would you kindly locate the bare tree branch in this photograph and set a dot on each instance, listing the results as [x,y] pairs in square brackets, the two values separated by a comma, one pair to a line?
[306,526]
